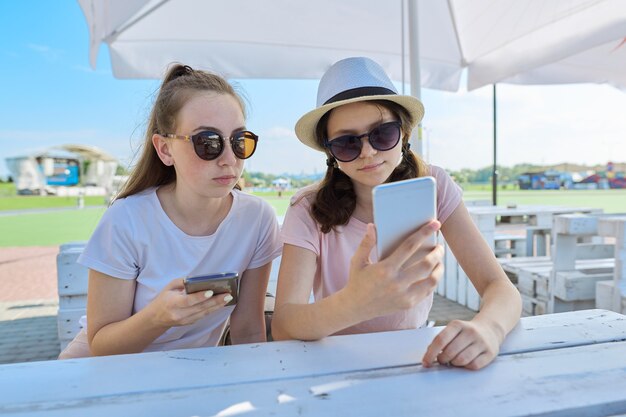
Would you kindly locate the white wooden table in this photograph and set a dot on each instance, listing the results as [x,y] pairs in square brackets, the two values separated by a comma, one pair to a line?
[560,364]
[536,220]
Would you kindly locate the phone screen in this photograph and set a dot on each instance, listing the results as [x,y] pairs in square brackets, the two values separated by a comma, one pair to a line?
[400,208]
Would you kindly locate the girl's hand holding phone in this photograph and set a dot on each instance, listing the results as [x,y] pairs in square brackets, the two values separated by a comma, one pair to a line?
[399,281]
[174,307]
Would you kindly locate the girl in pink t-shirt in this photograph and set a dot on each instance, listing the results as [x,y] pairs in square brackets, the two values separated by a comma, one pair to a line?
[329,237]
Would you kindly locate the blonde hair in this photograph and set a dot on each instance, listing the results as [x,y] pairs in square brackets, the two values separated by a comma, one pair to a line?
[179,84]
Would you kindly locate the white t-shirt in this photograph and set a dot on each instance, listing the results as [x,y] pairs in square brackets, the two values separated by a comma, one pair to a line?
[135,239]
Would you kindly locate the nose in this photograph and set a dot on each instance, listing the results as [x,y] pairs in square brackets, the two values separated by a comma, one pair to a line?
[227,156]
[366,148]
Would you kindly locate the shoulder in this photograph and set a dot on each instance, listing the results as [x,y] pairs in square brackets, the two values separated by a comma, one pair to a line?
[134,203]
[449,193]
[251,203]
[439,173]
[305,196]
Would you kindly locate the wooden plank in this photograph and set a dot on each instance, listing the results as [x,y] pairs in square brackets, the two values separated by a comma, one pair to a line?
[462,283]
[47,382]
[576,224]
[579,285]
[451,275]
[473,298]
[582,381]
[72,302]
[68,324]
[604,295]
[72,277]
[532,306]
[561,306]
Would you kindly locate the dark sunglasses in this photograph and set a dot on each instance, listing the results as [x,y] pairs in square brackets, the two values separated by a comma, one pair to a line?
[348,147]
[209,145]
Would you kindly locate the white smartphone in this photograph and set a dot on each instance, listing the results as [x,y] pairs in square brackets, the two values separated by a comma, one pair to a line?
[400,208]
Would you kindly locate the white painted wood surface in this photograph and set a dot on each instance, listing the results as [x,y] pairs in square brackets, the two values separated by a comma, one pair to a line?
[369,374]
[536,219]
[615,227]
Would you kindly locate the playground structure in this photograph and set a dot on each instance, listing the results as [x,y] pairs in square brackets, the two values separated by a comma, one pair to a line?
[64,170]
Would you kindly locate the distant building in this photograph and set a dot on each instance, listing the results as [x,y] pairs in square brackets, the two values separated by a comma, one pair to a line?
[282,183]
[56,168]
[545,180]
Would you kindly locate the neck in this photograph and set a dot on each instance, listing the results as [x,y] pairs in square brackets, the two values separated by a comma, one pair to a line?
[194,215]
[364,210]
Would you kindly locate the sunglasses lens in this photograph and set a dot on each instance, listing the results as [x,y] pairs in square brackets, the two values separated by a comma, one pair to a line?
[385,136]
[208,145]
[346,148]
[244,144]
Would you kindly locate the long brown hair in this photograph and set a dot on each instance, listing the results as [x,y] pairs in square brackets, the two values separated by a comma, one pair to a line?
[179,84]
[335,199]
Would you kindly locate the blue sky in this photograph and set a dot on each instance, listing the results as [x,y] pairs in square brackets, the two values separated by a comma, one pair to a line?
[50,96]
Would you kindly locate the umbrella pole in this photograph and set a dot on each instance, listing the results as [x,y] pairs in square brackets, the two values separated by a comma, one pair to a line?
[494,174]
[414,69]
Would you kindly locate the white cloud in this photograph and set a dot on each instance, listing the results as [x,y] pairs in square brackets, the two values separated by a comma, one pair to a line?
[47,52]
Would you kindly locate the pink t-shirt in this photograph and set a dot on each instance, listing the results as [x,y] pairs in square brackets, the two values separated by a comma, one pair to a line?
[335,249]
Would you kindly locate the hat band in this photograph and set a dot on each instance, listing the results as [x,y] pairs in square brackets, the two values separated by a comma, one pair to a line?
[360,92]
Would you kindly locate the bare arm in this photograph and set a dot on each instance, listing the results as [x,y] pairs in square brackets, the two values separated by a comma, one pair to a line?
[476,343]
[294,317]
[112,329]
[247,322]
[373,289]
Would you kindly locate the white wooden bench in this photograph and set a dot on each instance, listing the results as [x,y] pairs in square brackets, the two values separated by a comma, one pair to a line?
[612,294]
[509,245]
[566,281]
[72,283]
[496,224]
[574,285]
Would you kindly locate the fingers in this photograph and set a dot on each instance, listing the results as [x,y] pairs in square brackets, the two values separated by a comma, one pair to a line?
[460,344]
[175,284]
[429,267]
[362,255]
[195,312]
[440,342]
[412,243]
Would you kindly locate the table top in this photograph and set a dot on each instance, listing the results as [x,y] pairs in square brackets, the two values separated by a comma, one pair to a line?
[567,362]
[520,210]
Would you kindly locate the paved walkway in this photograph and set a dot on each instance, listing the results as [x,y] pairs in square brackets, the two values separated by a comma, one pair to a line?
[29,304]
[29,331]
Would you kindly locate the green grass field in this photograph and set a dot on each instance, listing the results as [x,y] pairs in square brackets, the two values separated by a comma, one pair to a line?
[57,227]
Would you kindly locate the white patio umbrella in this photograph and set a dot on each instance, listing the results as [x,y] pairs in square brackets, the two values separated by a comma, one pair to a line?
[431,41]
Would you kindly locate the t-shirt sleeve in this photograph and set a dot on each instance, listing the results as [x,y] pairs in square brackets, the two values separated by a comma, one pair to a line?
[299,228]
[268,245]
[110,249]
[449,194]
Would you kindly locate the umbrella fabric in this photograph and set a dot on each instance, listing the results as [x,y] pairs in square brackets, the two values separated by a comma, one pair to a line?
[494,39]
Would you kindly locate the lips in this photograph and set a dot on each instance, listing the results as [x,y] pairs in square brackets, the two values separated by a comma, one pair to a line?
[370,167]
[225,179]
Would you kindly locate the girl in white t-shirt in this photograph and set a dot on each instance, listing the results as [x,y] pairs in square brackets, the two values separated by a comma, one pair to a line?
[363,126]
[181,214]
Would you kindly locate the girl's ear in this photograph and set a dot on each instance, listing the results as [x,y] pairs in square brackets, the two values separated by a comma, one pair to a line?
[162,147]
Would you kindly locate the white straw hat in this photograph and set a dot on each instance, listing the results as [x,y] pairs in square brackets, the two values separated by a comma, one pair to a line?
[348,81]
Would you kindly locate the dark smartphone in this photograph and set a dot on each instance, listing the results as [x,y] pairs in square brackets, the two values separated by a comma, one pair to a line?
[220,283]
